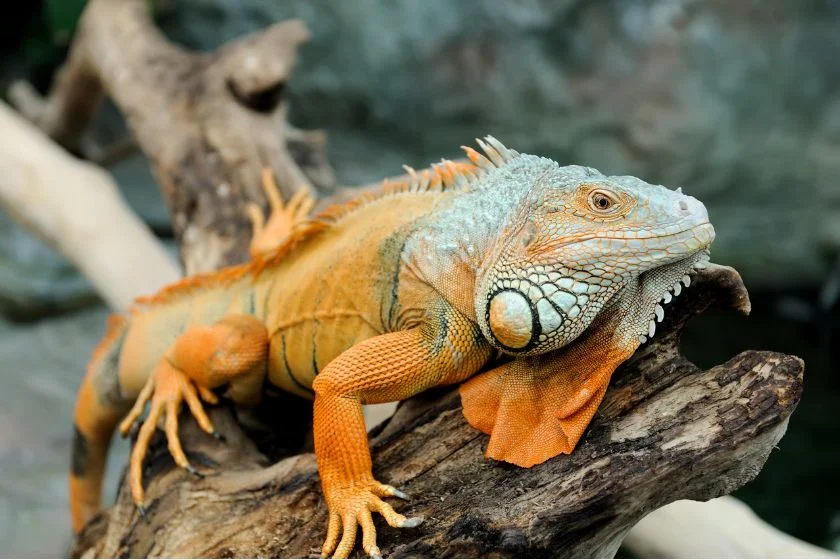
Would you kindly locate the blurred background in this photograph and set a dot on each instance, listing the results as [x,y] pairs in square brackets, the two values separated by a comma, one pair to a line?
[736,101]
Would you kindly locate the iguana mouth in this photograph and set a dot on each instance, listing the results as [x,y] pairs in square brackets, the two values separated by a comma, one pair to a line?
[700,233]
[703,226]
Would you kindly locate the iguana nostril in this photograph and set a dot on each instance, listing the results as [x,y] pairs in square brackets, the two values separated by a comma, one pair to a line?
[683,206]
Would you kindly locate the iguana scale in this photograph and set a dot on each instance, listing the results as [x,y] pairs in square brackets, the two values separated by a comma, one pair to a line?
[561,268]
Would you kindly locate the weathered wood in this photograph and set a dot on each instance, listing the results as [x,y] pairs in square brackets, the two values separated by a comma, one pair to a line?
[207,122]
[721,528]
[666,431]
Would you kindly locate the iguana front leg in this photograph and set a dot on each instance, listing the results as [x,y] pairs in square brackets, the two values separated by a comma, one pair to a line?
[446,349]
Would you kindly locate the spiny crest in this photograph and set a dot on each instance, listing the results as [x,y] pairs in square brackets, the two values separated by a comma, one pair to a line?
[446,175]
[443,176]
[454,175]
[495,154]
[192,283]
[440,177]
[229,275]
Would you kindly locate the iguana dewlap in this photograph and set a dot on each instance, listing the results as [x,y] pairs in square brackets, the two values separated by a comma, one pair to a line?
[562,268]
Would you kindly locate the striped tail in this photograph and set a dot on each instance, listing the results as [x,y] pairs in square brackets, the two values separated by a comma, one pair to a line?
[99,407]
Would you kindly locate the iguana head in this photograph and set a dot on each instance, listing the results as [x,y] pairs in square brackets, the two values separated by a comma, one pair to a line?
[577,244]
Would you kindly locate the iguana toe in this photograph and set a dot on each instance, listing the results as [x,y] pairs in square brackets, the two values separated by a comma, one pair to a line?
[351,507]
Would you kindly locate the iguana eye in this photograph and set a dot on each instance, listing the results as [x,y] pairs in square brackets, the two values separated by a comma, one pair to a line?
[603,201]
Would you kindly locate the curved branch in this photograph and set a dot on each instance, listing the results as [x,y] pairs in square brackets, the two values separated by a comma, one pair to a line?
[208,123]
[76,208]
[721,528]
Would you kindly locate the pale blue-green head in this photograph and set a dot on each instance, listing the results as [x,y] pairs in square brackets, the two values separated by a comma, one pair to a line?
[576,243]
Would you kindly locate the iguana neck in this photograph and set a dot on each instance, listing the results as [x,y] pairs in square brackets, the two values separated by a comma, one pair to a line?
[448,247]
[639,304]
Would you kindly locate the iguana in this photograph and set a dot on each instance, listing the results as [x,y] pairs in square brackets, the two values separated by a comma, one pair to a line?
[426,283]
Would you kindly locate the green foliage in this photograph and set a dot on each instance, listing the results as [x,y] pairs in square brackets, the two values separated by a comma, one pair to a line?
[48,33]
[41,36]
[61,17]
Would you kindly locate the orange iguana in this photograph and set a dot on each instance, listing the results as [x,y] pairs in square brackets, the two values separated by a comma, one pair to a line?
[418,286]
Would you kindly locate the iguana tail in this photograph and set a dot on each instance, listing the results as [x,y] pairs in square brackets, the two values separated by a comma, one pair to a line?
[99,407]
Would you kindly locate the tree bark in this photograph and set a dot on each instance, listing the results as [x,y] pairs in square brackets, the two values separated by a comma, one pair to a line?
[207,122]
[665,431]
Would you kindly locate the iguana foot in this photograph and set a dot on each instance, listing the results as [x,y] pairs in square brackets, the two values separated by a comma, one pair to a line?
[282,219]
[166,389]
[350,507]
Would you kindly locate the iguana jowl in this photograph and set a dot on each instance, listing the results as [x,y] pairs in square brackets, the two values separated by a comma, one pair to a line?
[418,286]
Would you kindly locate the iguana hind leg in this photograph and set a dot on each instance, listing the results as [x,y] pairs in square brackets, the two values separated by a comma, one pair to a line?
[232,352]
[282,219]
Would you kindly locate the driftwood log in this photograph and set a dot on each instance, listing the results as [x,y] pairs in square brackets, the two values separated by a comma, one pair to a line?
[208,122]
[666,431]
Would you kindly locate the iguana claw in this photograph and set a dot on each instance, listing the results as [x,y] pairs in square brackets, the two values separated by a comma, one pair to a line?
[412,522]
[165,390]
[351,507]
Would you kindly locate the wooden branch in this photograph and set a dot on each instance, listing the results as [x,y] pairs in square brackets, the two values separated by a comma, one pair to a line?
[207,122]
[76,208]
[721,528]
[666,431]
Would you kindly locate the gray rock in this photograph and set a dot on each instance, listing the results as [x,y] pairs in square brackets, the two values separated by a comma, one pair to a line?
[734,101]
[34,280]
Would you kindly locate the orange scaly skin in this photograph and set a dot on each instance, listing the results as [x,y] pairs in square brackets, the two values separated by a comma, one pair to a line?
[377,300]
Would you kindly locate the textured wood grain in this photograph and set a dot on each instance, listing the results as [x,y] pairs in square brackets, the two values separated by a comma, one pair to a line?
[666,431]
